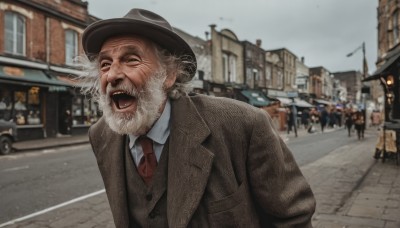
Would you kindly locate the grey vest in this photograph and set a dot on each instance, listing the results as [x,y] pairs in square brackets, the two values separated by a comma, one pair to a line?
[147,204]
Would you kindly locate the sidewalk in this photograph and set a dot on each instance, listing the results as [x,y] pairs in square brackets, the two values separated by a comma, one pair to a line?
[50,142]
[352,189]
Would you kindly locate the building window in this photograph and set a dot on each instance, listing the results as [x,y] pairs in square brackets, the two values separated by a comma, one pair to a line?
[71,46]
[232,66]
[84,111]
[5,104]
[14,33]
[280,80]
[249,54]
[229,67]
[225,67]
[20,105]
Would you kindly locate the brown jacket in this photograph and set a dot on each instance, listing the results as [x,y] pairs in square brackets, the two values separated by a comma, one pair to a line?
[227,167]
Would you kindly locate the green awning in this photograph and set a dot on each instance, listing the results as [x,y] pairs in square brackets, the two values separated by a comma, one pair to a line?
[256,98]
[27,76]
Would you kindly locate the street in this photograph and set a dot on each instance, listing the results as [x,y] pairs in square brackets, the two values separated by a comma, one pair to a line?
[310,147]
[37,187]
[33,181]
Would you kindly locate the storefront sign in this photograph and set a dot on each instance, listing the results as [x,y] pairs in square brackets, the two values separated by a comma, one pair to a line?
[13,71]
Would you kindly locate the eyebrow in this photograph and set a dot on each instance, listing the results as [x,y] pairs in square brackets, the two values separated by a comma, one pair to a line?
[128,49]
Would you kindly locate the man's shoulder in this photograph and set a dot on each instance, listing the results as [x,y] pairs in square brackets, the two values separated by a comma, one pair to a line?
[220,103]
[210,106]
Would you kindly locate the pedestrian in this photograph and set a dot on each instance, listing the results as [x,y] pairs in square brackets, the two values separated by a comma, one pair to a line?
[324,118]
[289,120]
[305,118]
[349,122]
[359,124]
[169,158]
[339,117]
[332,118]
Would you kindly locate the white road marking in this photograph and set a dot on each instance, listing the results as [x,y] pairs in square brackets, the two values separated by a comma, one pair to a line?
[52,208]
[16,168]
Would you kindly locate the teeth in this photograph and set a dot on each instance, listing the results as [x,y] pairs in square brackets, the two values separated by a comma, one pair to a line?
[119,92]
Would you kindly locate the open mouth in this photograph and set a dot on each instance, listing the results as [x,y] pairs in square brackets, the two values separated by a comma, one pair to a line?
[122,100]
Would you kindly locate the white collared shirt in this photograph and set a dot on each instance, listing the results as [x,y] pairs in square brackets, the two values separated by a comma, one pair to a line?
[158,133]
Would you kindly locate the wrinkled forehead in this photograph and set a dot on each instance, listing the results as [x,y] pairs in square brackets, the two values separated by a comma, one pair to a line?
[118,43]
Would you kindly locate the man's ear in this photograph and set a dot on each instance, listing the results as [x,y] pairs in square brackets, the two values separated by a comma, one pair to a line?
[170,80]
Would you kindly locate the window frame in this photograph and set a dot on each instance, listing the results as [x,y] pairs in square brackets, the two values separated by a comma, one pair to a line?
[18,39]
[71,49]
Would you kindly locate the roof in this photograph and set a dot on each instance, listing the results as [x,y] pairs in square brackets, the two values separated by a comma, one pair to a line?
[390,59]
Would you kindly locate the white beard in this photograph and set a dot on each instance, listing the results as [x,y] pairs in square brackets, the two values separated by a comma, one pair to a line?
[149,101]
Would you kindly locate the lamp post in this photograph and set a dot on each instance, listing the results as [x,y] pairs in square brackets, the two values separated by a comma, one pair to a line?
[365,70]
[364,75]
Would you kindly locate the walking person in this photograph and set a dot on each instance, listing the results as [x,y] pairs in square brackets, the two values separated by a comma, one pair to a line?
[324,117]
[349,122]
[305,118]
[169,158]
[359,124]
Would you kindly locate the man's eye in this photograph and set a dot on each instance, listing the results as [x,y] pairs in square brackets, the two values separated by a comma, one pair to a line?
[132,60]
[104,64]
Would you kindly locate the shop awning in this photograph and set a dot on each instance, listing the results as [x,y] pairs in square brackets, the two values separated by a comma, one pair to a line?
[302,104]
[297,102]
[256,98]
[27,76]
[284,100]
[322,102]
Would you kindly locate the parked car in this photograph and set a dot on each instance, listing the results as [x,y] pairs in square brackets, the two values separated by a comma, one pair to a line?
[8,135]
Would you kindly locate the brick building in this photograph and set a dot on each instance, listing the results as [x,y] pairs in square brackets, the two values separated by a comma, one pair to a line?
[38,41]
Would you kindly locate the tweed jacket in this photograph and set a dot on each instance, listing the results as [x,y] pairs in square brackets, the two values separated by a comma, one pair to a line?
[227,167]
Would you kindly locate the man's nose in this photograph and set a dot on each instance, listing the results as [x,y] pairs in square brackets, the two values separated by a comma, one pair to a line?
[115,74]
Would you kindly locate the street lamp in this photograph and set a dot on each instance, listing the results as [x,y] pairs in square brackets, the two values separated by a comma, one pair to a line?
[365,66]
[364,74]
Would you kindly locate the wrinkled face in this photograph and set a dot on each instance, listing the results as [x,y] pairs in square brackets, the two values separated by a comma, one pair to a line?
[133,84]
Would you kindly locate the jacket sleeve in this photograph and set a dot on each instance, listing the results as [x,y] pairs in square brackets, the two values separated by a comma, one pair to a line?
[278,187]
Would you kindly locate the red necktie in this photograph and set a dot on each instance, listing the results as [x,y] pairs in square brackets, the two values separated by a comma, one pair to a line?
[148,163]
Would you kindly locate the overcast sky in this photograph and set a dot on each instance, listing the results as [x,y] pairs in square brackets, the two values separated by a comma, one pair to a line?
[321,31]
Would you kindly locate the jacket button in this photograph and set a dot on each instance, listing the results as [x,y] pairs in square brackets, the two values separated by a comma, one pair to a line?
[149,197]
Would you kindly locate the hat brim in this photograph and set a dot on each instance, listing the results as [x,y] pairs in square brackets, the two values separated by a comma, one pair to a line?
[97,33]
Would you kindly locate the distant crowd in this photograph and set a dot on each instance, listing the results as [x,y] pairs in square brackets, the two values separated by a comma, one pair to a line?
[331,117]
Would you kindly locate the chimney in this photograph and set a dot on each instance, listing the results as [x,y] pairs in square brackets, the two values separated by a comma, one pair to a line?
[302,59]
[258,42]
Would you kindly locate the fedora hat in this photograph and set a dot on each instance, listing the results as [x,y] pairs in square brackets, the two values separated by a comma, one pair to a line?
[138,22]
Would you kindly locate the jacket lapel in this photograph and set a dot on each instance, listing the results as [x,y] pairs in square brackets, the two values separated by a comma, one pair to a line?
[112,166]
[189,163]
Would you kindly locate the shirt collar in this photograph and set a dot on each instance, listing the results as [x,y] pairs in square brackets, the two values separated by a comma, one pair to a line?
[160,130]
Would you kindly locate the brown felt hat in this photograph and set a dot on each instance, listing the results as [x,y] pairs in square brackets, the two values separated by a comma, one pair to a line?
[139,22]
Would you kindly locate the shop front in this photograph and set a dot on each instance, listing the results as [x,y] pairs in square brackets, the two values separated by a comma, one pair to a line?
[389,76]
[79,112]
[28,97]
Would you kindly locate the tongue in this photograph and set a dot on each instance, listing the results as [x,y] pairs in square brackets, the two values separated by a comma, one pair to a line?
[124,102]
